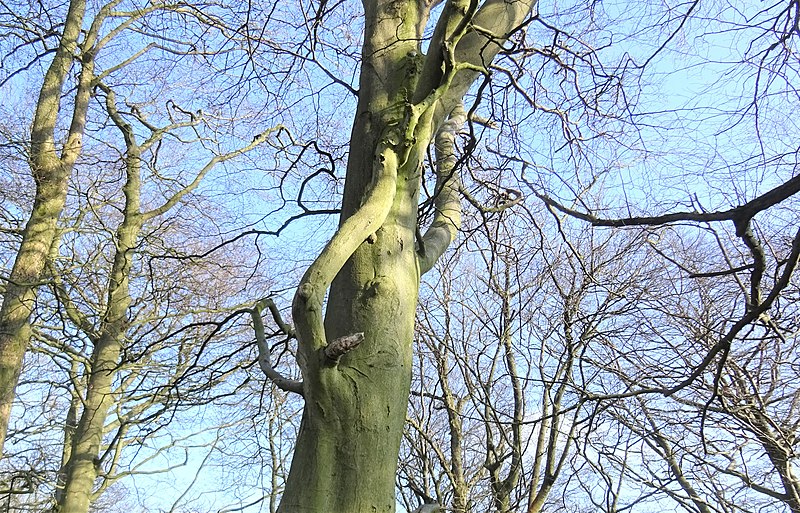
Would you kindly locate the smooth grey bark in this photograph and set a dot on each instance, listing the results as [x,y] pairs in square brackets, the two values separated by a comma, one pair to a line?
[346,455]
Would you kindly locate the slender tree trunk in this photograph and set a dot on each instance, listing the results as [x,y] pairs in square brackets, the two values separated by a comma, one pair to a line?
[50,171]
[84,464]
[70,425]
[780,454]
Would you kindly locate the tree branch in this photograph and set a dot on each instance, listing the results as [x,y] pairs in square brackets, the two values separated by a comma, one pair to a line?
[740,215]
[175,198]
[724,344]
[447,219]
[307,304]
[282,382]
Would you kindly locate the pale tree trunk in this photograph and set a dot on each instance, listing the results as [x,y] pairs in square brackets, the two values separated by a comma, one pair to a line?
[70,425]
[50,172]
[660,444]
[84,464]
[355,405]
[780,453]
[498,453]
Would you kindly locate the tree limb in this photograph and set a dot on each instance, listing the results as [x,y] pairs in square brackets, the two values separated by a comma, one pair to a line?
[740,215]
[282,382]
[447,219]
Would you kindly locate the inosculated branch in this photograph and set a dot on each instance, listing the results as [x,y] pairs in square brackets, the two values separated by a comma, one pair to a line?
[307,304]
[447,219]
[282,382]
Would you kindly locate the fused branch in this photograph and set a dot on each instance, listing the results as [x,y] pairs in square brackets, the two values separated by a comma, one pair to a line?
[343,345]
[269,304]
[307,304]
[281,381]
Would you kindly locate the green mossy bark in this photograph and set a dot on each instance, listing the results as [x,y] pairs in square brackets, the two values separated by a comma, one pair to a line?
[83,466]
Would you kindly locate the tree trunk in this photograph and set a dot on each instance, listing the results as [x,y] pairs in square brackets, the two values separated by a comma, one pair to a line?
[346,455]
[355,406]
[84,465]
[70,426]
[50,173]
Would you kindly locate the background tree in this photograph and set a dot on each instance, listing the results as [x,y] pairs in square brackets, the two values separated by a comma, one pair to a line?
[129,315]
[499,405]
[50,171]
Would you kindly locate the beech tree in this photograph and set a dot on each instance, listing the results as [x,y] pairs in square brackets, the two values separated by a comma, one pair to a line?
[355,349]
[51,167]
[103,296]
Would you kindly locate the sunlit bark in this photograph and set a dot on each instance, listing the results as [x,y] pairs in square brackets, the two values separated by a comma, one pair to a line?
[346,453]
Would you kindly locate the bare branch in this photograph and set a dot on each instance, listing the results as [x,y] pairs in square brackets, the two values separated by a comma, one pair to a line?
[740,215]
[282,382]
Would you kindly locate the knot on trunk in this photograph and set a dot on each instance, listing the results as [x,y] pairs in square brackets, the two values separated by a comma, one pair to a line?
[343,345]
